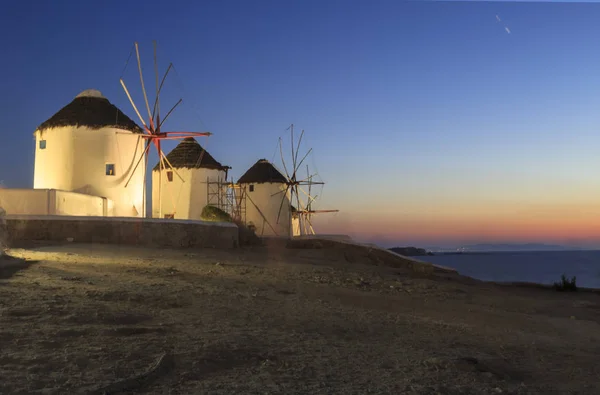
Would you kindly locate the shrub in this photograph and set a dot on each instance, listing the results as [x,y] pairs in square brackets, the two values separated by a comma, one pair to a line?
[215,214]
[566,285]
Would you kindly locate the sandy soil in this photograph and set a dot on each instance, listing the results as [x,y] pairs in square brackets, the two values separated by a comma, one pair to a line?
[76,318]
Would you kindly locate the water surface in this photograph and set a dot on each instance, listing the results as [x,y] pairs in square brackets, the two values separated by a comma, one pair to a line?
[539,267]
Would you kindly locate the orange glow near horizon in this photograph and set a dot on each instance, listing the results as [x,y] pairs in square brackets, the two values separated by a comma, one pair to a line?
[480,221]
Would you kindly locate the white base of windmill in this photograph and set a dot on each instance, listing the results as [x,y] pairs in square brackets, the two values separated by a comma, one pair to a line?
[96,162]
[182,199]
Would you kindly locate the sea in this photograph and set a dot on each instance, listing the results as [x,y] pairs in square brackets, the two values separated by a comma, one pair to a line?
[544,267]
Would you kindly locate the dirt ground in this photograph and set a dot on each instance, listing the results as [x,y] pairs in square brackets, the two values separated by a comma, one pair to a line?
[76,318]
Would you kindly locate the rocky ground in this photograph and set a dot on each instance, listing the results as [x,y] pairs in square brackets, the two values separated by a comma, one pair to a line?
[86,319]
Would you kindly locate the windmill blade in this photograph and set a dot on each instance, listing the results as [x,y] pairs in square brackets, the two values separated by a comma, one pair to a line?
[277,193]
[133,104]
[281,204]
[137,52]
[298,200]
[299,203]
[169,113]
[310,176]
[312,230]
[309,186]
[293,158]
[283,160]
[261,214]
[305,156]
[301,209]
[161,163]
[156,104]
[298,150]
[201,157]
[144,154]
[308,195]
[156,107]
[170,165]
[306,225]
[182,135]
[310,198]
[307,180]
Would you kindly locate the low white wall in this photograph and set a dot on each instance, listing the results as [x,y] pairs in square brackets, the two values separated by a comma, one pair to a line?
[53,202]
[25,201]
[72,203]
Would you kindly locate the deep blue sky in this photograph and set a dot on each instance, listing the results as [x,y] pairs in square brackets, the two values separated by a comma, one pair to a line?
[415,110]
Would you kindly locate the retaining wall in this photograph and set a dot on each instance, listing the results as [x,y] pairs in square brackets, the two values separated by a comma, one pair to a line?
[53,202]
[122,230]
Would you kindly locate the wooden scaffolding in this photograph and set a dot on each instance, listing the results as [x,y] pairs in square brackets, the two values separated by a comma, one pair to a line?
[229,197]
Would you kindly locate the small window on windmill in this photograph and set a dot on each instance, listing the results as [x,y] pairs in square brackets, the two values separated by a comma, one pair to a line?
[110,169]
[170,176]
[251,188]
[42,144]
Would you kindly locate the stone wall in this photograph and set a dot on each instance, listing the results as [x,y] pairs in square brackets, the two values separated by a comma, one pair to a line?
[121,230]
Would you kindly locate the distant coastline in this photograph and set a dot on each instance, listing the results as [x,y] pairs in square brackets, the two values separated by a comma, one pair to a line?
[487,249]
[411,251]
[506,247]
[500,252]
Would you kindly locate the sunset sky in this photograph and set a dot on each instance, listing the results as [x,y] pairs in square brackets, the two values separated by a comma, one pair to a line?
[432,123]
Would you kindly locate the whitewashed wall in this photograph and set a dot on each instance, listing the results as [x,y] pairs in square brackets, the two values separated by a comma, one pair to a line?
[186,198]
[25,201]
[72,203]
[261,200]
[52,202]
[75,159]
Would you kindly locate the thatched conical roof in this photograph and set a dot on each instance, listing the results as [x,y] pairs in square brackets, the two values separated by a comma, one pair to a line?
[262,171]
[189,154]
[91,109]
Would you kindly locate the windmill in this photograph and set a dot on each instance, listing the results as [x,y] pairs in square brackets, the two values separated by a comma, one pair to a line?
[300,200]
[153,131]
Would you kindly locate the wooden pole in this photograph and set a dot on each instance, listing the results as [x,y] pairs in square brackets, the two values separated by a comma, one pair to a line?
[262,215]
[145,211]
[160,169]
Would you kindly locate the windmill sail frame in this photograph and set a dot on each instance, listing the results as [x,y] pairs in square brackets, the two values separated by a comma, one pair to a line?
[302,209]
[153,133]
